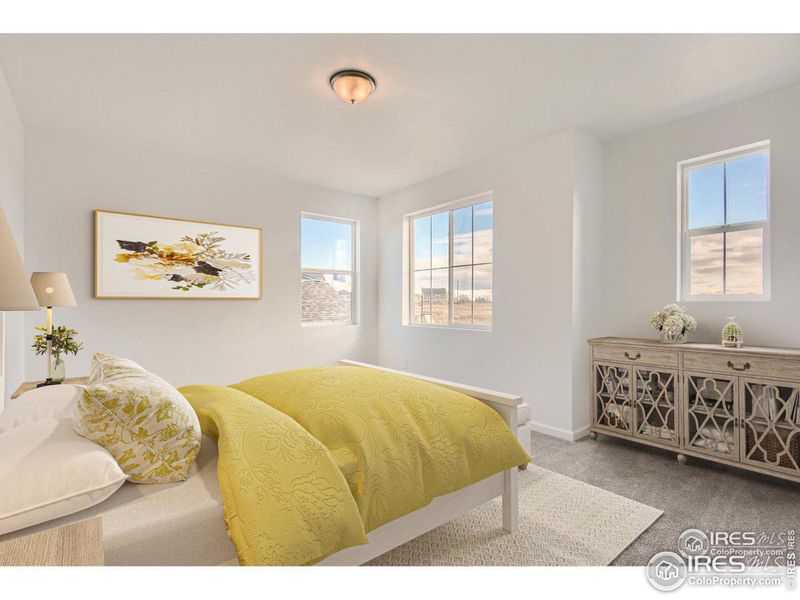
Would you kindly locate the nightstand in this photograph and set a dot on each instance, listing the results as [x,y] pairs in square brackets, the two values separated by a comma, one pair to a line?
[75,545]
[31,385]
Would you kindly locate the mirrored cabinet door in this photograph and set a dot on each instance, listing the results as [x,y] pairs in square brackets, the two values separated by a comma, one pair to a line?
[655,414]
[612,398]
[710,415]
[770,418]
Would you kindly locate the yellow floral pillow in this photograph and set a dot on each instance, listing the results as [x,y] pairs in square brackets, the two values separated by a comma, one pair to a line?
[144,422]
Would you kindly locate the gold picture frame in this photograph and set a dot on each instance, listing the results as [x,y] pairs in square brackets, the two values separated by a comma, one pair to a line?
[198,260]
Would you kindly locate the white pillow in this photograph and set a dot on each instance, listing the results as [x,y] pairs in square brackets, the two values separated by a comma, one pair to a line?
[48,471]
[48,402]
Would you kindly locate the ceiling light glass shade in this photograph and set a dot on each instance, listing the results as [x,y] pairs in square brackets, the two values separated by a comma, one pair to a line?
[352,86]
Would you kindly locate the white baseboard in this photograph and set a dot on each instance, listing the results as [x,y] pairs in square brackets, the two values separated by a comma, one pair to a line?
[562,434]
[580,433]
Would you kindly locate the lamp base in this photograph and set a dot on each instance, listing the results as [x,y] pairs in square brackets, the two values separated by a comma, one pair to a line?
[47,382]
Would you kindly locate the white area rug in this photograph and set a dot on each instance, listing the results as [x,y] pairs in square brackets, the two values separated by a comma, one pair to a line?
[563,522]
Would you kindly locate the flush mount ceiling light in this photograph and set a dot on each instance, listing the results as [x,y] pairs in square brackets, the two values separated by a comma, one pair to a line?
[352,86]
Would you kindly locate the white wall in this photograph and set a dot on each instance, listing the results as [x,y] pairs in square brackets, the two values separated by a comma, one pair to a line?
[640,220]
[186,341]
[529,350]
[587,269]
[12,202]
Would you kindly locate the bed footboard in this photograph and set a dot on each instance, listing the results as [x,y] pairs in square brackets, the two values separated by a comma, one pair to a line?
[506,405]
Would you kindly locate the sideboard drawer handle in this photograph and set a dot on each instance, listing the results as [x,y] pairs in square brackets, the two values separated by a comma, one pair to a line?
[744,367]
[637,357]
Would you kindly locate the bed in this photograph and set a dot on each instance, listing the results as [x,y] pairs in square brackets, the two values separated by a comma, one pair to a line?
[445,508]
[166,524]
[183,524]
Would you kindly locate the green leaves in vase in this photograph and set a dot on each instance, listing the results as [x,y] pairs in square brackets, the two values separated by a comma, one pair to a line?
[63,342]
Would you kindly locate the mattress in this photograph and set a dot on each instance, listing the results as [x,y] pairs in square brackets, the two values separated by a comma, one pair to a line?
[162,524]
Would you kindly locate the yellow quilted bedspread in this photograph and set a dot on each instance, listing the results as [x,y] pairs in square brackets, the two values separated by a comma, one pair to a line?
[285,500]
[397,442]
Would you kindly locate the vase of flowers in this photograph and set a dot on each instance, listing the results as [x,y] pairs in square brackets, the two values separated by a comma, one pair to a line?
[62,342]
[673,322]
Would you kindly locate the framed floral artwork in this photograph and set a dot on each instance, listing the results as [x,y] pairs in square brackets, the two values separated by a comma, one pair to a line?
[139,256]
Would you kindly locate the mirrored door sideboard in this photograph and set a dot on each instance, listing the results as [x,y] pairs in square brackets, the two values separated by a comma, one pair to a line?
[738,406]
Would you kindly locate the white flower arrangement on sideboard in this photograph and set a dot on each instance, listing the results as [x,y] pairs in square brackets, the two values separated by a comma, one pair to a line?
[673,322]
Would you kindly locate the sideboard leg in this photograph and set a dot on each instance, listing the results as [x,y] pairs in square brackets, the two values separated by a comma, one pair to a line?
[593,435]
[682,459]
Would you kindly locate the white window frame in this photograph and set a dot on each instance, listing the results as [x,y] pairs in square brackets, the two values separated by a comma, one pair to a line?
[409,258]
[685,234]
[355,265]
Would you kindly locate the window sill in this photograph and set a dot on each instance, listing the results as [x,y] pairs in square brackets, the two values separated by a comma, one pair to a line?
[448,328]
[316,324]
[743,298]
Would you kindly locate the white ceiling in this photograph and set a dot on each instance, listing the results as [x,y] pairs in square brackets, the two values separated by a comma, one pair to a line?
[442,100]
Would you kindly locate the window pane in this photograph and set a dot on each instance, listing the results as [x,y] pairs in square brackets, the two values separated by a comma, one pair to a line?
[746,188]
[439,299]
[743,262]
[441,240]
[422,243]
[462,295]
[422,301]
[706,264]
[462,236]
[706,196]
[483,221]
[326,298]
[326,244]
[482,294]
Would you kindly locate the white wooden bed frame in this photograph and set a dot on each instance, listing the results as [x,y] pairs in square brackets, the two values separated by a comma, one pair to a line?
[448,507]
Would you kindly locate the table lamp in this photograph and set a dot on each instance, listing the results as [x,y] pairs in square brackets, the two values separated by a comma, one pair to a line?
[16,292]
[51,289]
[15,289]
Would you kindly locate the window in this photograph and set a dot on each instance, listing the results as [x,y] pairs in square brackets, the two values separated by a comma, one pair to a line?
[724,216]
[449,253]
[327,259]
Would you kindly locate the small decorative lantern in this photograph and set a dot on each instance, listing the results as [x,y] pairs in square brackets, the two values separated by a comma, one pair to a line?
[732,334]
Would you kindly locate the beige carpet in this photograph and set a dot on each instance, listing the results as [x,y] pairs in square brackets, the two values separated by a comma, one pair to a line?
[563,522]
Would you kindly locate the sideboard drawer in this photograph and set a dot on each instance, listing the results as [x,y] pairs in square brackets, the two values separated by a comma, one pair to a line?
[629,354]
[761,366]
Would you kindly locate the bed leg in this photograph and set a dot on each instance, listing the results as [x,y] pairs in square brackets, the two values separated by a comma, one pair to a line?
[510,499]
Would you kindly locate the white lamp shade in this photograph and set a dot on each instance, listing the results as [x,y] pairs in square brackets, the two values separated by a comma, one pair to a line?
[52,289]
[15,289]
